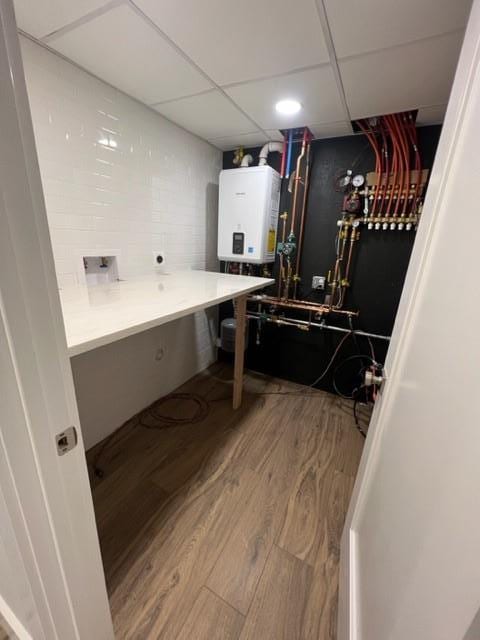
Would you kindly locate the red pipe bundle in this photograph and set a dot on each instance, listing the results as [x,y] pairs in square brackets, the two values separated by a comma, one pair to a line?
[394,142]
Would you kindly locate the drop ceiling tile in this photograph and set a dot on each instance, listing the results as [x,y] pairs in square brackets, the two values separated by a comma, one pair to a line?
[401,78]
[210,115]
[431,115]
[41,17]
[331,129]
[120,47]
[239,41]
[359,27]
[246,140]
[315,89]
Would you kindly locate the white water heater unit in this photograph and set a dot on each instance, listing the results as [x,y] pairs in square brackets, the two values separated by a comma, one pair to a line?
[248,214]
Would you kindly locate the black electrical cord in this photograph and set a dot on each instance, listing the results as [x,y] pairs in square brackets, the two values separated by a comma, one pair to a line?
[358,356]
[355,414]
[153,418]
[315,382]
[350,323]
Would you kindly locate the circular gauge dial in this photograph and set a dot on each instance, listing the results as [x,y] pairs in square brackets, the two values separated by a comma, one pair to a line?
[358,180]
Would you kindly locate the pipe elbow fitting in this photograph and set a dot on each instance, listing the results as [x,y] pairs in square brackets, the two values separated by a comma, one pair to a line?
[269,147]
[246,160]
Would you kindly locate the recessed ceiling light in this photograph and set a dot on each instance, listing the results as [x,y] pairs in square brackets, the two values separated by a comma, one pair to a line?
[288,107]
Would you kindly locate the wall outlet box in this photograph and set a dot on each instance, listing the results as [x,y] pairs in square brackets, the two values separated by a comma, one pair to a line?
[318,282]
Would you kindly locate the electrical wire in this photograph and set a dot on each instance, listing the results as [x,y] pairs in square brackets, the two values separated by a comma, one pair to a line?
[320,377]
[152,418]
[355,414]
[358,356]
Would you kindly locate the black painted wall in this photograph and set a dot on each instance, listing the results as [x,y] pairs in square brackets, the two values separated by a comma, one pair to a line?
[379,268]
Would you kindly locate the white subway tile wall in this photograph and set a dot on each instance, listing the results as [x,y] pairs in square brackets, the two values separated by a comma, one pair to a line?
[121,180]
[118,178]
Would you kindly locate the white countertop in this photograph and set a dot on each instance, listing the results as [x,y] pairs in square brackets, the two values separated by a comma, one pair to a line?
[99,314]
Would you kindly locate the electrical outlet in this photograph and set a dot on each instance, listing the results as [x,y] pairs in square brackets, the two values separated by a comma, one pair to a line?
[318,282]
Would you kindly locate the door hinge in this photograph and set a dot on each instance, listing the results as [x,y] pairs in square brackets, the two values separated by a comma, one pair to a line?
[66,440]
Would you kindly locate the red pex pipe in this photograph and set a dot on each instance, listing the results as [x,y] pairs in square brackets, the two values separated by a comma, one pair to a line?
[284,149]
[376,199]
[418,162]
[394,163]
[378,161]
[401,154]
[403,129]
[373,144]
[386,163]
[400,159]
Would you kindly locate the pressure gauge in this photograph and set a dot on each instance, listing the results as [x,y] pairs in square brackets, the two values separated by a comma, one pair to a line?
[358,180]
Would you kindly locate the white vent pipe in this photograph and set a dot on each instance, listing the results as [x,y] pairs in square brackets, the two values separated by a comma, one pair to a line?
[247,160]
[270,147]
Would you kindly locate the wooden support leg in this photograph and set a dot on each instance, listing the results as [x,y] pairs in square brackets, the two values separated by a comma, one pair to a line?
[241,307]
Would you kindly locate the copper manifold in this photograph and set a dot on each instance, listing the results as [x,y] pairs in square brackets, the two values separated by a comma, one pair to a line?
[300,304]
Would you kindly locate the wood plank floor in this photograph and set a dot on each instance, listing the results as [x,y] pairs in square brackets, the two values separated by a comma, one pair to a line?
[228,528]
[5,632]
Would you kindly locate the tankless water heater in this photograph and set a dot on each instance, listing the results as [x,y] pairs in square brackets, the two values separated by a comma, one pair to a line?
[248,214]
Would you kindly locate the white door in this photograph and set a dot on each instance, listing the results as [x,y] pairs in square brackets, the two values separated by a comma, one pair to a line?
[51,579]
[411,544]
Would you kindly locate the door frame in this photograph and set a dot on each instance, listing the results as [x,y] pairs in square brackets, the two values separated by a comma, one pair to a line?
[48,496]
[440,182]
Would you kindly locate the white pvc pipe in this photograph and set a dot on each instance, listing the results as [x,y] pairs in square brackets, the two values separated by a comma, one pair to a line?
[270,147]
[247,160]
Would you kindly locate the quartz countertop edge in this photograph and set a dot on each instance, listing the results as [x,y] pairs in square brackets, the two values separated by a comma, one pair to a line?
[99,314]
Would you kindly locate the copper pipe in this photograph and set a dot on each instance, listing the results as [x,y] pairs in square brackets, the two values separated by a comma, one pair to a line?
[353,239]
[302,220]
[306,306]
[295,191]
[343,232]
[281,274]
[257,316]
[288,279]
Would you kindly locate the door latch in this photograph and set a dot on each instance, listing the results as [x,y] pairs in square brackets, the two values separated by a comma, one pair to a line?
[66,440]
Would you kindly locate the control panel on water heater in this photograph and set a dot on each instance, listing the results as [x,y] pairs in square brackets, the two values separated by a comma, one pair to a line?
[249,199]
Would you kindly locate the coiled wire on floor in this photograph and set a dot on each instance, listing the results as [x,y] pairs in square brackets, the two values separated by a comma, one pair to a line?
[154,418]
